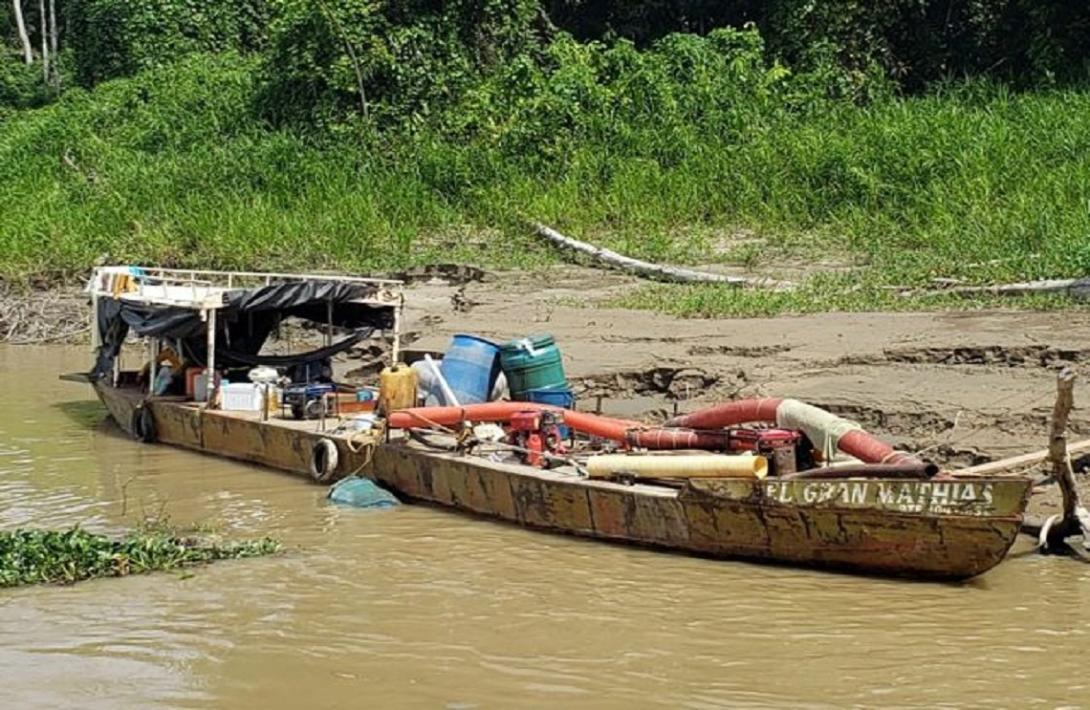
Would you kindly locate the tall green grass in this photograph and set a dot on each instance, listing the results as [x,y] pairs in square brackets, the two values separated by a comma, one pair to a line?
[172,167]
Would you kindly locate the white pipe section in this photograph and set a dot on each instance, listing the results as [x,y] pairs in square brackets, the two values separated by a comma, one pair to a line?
[448,393]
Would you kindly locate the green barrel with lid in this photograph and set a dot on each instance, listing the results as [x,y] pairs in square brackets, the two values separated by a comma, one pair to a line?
[532,363]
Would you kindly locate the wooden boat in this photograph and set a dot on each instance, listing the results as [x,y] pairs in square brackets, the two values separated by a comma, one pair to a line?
[944,526]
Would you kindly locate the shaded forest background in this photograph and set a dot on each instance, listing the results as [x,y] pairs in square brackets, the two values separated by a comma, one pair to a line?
[908,138]
[914,43]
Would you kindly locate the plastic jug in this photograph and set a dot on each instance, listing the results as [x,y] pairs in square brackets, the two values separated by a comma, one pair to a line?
[397,388]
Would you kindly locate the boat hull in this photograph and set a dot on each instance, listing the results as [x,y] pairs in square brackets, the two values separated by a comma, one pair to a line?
[951,529]
[284,445]
[886,527]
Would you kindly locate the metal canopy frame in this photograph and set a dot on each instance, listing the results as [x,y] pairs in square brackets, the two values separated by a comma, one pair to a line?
[206,291]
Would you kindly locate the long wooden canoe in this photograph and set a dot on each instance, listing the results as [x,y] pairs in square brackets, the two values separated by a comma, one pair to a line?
[941,528]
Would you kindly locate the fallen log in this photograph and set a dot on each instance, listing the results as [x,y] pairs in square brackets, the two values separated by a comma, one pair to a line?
[646,269]
[1019,462]
[1075,288]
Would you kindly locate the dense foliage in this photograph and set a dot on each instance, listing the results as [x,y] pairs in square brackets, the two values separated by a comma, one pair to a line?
[112,38]
[64,557]
[409,56]
[366,134]
[400,59]
[915,41]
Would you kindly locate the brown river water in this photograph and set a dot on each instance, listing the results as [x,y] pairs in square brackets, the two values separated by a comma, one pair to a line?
[421,607]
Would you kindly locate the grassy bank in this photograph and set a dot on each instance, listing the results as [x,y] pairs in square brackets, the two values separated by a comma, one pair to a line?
[818,295]
[65,557]
[172,166]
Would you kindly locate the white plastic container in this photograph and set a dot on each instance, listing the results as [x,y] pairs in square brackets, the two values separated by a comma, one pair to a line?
[242,397]
[200,386]
[361,422]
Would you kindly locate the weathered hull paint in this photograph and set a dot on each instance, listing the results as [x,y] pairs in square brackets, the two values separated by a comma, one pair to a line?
[222,434]
[724,518]
[936,529]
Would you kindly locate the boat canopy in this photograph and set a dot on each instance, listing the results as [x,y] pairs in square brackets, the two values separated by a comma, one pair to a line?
[183,309]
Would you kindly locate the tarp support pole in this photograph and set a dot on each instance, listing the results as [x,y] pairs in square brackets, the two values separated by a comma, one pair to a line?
[397,329]
[212,385]
[96,337]
[328,322]
[153,355]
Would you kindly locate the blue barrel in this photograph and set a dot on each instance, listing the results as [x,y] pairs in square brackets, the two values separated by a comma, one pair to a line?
[470,366]
[556,397]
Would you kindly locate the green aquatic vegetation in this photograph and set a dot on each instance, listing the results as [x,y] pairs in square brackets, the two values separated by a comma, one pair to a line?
[68,556]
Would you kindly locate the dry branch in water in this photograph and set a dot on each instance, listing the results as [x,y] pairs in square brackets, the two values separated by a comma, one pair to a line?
[647,269]
[35,317]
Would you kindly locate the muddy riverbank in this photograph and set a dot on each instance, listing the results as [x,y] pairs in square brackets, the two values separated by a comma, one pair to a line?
[961,387]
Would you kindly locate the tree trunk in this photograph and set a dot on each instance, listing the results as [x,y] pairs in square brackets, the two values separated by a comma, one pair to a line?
[649,270]
[350,50]
[54,41]
[28,51]
[45,40]
[1061,464]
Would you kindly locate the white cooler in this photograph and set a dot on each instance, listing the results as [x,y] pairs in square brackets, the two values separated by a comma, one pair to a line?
[242,397]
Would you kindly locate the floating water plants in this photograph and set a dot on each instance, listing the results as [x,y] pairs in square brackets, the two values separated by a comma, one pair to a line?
[64,557]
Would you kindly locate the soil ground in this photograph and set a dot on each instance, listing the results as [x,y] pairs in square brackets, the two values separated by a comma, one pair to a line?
[959,387]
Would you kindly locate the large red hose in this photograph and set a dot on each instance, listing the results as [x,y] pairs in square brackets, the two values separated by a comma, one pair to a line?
[742,411]
[711,421]
[857,443]
[619,430]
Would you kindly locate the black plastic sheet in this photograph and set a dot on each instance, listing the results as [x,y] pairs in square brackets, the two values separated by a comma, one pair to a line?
[245,322]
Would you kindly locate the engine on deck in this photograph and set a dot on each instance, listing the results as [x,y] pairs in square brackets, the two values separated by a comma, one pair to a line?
[538,436]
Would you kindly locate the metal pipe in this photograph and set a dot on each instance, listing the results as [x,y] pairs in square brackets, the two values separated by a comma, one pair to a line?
[448,393]
[922,469]
[211,385]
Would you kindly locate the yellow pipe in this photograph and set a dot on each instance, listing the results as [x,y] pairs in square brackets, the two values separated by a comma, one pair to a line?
[680,466]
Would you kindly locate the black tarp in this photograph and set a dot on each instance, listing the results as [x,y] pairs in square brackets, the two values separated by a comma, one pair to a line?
[244,322]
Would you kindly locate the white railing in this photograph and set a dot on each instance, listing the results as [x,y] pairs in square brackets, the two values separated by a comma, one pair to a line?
[205,289]
[231,279]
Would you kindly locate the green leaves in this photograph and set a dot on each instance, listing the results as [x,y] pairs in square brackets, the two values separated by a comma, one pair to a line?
[45,556]
[396,63]
[112,38]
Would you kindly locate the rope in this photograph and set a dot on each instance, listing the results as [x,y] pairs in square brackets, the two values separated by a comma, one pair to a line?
[429,422]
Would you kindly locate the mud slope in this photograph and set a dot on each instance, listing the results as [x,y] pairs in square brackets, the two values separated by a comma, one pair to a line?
[964,387]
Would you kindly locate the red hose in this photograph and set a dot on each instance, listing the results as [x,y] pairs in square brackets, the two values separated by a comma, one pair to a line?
[619,430]
[674,439]
[720,416]
[866,447]
[603,427]
[857,443]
